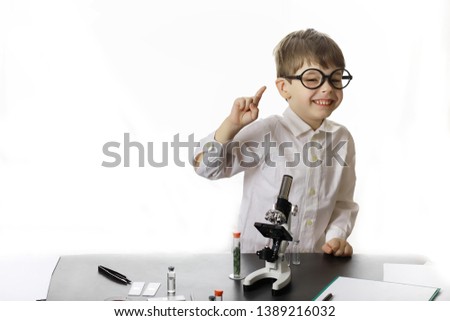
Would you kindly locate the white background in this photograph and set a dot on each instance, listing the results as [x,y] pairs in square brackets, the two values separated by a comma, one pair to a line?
[78,74]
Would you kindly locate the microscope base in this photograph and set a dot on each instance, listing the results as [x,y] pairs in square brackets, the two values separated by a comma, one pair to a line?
[280,272]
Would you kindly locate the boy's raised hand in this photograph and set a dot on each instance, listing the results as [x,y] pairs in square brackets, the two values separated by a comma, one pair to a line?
[244,111]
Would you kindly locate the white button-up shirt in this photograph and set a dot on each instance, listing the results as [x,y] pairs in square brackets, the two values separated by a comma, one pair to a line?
[321,162]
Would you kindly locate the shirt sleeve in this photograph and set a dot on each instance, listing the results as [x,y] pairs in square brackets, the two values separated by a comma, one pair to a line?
[346,209]
[225,160]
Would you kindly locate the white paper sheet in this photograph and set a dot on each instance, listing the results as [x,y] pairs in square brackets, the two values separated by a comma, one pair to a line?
[352,289]
[26,278]
[427,275]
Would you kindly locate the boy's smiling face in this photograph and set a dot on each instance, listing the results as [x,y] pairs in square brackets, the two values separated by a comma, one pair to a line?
[311,105]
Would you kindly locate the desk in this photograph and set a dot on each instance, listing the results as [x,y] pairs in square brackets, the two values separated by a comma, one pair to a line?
[76,277]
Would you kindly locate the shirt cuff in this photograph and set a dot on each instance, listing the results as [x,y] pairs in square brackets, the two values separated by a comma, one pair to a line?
[335,232]
[210,164]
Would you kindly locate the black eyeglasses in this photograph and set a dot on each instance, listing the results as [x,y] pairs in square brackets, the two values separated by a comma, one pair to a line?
[314,78]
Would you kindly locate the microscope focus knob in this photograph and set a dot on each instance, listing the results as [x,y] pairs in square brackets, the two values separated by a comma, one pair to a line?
[294,210]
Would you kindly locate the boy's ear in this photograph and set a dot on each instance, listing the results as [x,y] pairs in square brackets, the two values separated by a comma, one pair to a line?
[283,87]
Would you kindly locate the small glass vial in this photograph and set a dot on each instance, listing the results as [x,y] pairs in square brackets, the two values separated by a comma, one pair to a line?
[236,251]
[218,295]
[295,253]
[171,281]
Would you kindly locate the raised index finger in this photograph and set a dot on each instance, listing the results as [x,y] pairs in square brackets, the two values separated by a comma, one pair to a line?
[258,95]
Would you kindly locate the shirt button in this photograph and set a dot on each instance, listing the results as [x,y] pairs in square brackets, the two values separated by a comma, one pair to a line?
[314,158]
[309,222]
[312,192]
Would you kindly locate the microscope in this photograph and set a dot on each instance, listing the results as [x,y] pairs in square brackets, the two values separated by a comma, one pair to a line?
[279,232]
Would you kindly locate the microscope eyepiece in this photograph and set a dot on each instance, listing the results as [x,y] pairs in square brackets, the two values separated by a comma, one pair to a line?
[285,187]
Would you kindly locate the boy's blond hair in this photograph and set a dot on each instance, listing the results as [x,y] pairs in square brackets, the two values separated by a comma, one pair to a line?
[308,46]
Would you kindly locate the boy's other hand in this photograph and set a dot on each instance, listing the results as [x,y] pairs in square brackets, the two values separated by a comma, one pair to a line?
[245,109]
[338,247]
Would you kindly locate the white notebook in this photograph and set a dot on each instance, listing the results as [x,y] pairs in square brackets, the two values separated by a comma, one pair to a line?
[351,289]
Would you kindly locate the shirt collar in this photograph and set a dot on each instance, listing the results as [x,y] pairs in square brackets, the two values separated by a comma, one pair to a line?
[298,126]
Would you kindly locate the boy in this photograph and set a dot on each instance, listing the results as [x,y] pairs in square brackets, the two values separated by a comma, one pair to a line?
[319,154]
